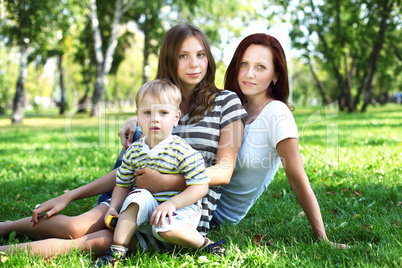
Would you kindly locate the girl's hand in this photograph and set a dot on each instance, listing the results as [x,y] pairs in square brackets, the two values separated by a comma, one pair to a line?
[51,207]
[165,209]
[149,179]
[127,132]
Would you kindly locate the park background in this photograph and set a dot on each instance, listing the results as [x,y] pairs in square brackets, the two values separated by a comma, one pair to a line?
[69,71]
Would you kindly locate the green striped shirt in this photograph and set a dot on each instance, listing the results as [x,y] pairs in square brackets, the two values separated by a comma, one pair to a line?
[171,156]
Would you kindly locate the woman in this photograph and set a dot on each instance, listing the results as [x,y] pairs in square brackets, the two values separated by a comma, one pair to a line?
[211,123]
[258,74]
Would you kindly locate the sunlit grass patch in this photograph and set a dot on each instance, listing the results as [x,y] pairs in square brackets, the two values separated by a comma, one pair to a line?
[353,162]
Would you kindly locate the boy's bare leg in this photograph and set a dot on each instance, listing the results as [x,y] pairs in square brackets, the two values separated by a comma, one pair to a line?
[59,226]
[126,226]
[186,236]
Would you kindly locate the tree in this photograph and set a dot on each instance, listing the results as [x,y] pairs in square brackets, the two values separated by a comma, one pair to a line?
[104,60]
[8,76]
[154,17]
[344,38]
[29,25]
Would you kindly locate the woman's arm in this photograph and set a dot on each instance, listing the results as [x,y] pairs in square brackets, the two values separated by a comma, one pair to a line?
[288,150]
[220,173]
[53,206]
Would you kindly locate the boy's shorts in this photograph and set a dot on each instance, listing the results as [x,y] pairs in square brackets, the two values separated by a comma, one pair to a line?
[147,204]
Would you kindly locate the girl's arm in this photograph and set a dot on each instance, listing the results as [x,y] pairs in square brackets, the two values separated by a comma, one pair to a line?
[220,173]
[229,145]
[126,133]
[53,206]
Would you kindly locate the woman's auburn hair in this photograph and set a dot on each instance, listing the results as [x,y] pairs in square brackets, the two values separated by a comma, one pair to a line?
[279,91]
[205,92]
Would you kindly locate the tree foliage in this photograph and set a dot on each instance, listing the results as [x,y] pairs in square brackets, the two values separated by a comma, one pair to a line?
[30,25]
[346,38]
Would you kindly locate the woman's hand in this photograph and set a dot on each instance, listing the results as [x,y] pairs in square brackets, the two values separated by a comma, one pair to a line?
[127,132]
[335,245]
[52,206]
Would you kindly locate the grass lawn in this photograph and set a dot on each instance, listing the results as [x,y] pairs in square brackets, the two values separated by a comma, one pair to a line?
[353,162]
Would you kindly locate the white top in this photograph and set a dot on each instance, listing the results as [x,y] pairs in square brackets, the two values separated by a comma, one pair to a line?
[257,162]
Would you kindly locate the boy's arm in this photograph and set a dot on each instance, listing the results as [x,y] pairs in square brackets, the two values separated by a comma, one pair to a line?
[189,196]
[119,195]
[124,183]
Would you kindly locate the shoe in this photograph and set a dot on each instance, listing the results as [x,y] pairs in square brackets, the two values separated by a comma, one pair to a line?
[110,257]
[215,248]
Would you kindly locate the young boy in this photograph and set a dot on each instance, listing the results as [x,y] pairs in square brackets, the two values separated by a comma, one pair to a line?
[169,216]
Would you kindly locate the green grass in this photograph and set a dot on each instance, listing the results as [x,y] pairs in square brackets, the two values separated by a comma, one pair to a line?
[353,162]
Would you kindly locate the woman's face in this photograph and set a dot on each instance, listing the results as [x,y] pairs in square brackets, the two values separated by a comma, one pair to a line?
[256,72]
[192,64]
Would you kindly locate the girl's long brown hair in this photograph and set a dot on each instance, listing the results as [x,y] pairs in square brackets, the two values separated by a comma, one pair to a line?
[279,91]
[205,92]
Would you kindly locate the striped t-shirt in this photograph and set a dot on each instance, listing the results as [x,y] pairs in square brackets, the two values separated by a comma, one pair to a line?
[204,137]
[171,156]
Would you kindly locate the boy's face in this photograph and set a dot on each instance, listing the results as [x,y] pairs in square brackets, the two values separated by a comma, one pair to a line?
[156,119]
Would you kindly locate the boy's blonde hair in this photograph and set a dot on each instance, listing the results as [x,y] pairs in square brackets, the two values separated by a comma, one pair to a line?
[162,89]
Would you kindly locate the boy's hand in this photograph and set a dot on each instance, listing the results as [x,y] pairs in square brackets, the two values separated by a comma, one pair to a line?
[110,212]
[165,209]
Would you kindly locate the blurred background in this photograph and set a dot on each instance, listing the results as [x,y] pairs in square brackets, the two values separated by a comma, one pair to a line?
[56,55]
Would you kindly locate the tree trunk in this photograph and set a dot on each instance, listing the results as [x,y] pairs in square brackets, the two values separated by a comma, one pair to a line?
[348,83]
[88,78]
[83,100]
[376,52]
[145,66]
[325,99]
[360,89]
[98,90]
[117,94]
[61,83]
[18,104]
[104,63]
